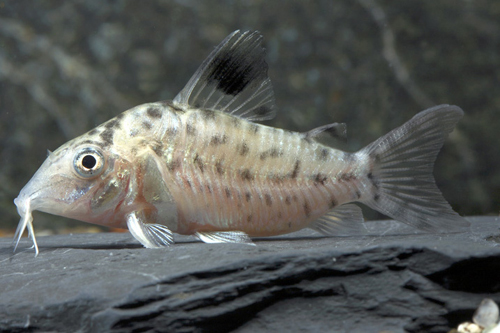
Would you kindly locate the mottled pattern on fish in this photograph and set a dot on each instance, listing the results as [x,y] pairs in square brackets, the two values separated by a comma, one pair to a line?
[200,165]
[230,174]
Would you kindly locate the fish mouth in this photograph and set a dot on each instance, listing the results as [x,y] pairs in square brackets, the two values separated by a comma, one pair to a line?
[37,195]
[30,198]
[23,204]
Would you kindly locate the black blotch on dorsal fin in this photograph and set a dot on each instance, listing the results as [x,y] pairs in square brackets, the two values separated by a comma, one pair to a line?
[323,133]
[233,69]
[233,79]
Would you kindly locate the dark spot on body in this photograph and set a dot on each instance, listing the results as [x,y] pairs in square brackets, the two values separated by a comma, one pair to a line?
[172,131]
[320,178]
[289,225]
[209,188]
[248,196]
[188,182]
[218,139]
[349,157]
[114,123]
[296,169]
[147,125]
[307,209]
[244,149]
[120,116]
[93,132]
[249,218]
[269,199]
[348,176]
[199,163]
[154,112]
[172,165]
[219,166]
[107,136]
[208,114]
[280,215]
[288,200]
[324,154]
[273,153]
[228,192]
[358,194]
[276,178]
[190,129]
[254,128]
[333,203]
[246,174]
[376,197]
[158,148]
[236,122]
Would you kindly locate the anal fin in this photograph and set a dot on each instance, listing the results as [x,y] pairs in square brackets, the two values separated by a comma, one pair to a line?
[345,220]
[149,235]
[224,237]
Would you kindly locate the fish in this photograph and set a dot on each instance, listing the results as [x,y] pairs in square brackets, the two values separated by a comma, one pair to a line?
[202,165]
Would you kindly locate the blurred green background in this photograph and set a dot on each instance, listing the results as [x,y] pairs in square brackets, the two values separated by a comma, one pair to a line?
[67,66]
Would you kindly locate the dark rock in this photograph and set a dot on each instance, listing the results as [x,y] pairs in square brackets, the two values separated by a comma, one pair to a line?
[403,281]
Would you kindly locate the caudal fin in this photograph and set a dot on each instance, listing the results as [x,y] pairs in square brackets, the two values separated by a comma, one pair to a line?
[399,171]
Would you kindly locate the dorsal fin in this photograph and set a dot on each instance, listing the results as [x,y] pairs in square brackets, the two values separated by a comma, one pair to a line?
[233,79]
[323,133]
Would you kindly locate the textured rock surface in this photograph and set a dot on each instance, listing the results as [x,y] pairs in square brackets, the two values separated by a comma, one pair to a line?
[401,281]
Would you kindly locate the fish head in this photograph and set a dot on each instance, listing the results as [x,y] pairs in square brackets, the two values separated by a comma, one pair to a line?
[79,180]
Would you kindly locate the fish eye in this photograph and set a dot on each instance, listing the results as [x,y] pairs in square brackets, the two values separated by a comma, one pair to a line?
[89,162]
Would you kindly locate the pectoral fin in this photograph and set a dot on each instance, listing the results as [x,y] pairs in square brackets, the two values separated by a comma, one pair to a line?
[156,192]
[150,235]
[224,237]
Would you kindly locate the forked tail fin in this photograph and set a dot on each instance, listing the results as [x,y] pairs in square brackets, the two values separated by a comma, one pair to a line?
[399,171]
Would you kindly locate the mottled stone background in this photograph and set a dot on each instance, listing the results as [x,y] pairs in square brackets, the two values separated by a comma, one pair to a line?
[66,66]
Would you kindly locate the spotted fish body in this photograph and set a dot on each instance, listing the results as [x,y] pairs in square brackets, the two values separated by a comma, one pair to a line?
[200,165]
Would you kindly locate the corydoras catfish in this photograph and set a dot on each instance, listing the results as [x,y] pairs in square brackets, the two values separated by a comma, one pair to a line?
[200,165]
